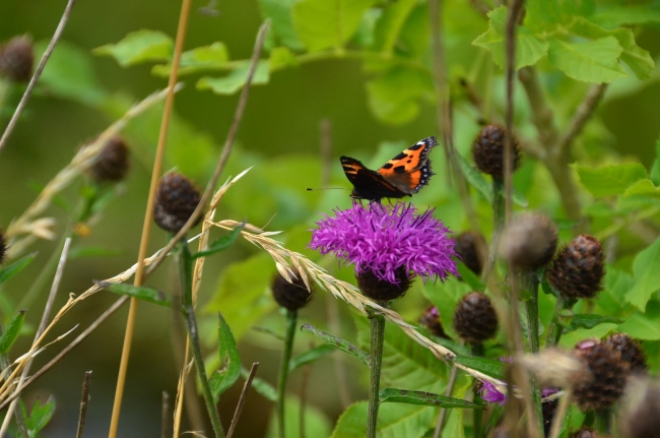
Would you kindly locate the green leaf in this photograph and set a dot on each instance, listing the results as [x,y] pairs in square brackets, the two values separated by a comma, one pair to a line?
[222,243]
[322,24]
[138,47]
[395,420]
[600,331]
[316,424]
[470,277]
[213,57]
[590,61]
[610,180]
[655,170]
[261,386]
[423,398]
[614,15]
[394,96]
[40,416]
[235,80]
[490,367]
[529,48]
[281,57]
[148,294]
[12,331]
[638,59]
[640,326]
[646,276]
[10,270]
[339,344]
[310,356]
[280,13]
[224,378]
[587,321]
[390,23]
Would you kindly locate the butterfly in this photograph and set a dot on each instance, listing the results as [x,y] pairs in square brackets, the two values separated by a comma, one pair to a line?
[402,176]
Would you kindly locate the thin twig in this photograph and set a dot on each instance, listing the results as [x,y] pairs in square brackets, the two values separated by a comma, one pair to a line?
[443,411]
[148,215]
[242,398]
[83,404]
[582,115]
[37,73]
[165,415]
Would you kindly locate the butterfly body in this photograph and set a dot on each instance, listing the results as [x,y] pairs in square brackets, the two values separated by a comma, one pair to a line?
[403,175]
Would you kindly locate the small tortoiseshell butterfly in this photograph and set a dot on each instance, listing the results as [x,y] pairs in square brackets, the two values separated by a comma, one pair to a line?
[402,176]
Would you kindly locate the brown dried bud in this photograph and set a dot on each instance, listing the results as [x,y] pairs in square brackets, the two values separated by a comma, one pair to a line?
[382,290]
[16,59]
[291,296]
[640,408]
[467,247]
[529,241]
[176,200]
[475,319]
[631,351]
[431,320]
[488,151]
[112,162]
[578,269]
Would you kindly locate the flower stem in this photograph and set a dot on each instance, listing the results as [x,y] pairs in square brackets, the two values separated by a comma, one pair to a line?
[498,204]
[531,293]
[185,278]
[477,351]
[555,329]
[377,339]
[291,323]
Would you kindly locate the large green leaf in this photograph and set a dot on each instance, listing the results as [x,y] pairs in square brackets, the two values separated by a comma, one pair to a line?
[611,180]
[12,331]
[551,15]
[590,61]
[280,13]
[601,330]
[613,16]
[322,24]
[641,326]
[395,420]
[529,47]
[235,80]
[138,47]
[390,23]
[490,367]
[612,298]
[646,276]
[225,377]
[394,96]
[204,58]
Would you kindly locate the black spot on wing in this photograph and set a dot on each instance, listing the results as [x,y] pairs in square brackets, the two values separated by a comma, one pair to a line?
[387,166]
[400,169]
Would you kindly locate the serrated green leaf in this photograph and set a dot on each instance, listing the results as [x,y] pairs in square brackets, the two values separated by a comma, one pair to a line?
[590,61]
[611,180]
[338,344]
[543,15]
[138,47]
[40,416]
[390,23]
[280,13]
[529,47]
[640,326]
[224,378]
[264,388]
[235,80]
[222,243]
[655,170]
[10,270]
[322,24]
[613,16]
[148,294]
[588,321]
[423,398]
[213,57]
[394,96]
[646,276]
[490,367]
[12,331]
[310,356]
[643,188]
[395,420]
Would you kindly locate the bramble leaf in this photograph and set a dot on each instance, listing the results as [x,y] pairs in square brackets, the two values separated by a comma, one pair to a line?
[590,61]
[611,180]
[138,47]
[199,59]
[646,276]
[235,80]
[280,13]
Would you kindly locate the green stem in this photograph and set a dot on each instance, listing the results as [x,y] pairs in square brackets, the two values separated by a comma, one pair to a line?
[377,339]
[498,204]
[291,322]
[531,294]
[477,351]
[603,421]
[185,278]
[18,412]
[555,329]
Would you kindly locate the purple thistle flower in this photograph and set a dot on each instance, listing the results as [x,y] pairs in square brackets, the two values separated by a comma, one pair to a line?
[382,239]
[490,394]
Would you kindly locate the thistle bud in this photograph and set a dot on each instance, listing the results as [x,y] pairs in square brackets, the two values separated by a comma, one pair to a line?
[631,351]
[529,241]
[467,246]
[475,319]
[16,59]
[291,296]
[176,200]
[578,269]
[488,151]
[112,162]
[639,409]
[609,373]
[431,320]
[382,290]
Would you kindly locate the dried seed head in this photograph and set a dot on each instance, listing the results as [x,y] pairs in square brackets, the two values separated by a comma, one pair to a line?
[16,59]
[475,319]
[176,200]
[3,247]
[488,151]
[578,269]
[631,351]
[382,290]
[431,320]
[557,368]
[529,241]
[640,406]
[291,296]
[609,375]
[467,247]
[112,163]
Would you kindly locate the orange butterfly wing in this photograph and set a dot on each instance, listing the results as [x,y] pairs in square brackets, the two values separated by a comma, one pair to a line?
[411,169]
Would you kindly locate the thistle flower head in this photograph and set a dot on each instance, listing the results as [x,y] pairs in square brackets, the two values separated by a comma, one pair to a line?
[383,239]
[489,393]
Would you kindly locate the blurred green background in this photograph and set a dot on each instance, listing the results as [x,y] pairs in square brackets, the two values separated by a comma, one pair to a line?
[280,137]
